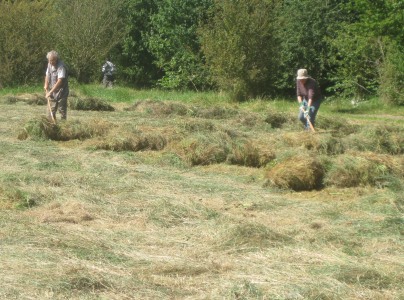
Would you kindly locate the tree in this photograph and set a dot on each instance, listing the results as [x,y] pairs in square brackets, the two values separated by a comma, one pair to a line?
[305,30]
[23,41]
[174,42]
[137,62]
[374,35]
[85,32]
[240,47]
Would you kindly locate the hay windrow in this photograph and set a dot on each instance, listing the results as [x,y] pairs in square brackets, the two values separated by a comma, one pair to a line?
[159,108]
[298,173]
[340,127]
[31,99]
[70,212]
[43,129]
[379,139]
[216,112]
[250,154]
[278,119]
[203,149]
[322,144]
[162,108]
[253,236]
[120,140]
[352,170]
[89,103]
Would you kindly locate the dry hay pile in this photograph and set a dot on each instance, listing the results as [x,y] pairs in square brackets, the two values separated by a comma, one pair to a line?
[43,129]
[379,139]
[89,103]
[279,119]
[69,212]
[215,112]
[250,154]
[363,169]
[31,99]
[159,108]
[252,236]
[322,144]
[119,140]
[14,197]
[162,108]
[201,149]
[338,126]
[299,173]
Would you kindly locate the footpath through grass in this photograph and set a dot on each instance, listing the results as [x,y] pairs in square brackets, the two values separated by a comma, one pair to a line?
[189,196]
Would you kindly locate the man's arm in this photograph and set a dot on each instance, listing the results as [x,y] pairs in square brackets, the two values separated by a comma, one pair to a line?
[46,84]
[56,87]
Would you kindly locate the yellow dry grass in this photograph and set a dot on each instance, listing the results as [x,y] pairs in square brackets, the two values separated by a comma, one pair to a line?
[105,224]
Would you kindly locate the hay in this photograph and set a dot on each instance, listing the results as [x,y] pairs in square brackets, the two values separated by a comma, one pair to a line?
[246,153]
[339,126]
[31,99]
[277,119]
[321,143]
[131,141]
[197,125]
[42,129]
[92,104]
[70,212]
[253,236]
[299,173]
[159,108]
[39,129]
[77,130]
[204,149]
[352,171]
[216,112]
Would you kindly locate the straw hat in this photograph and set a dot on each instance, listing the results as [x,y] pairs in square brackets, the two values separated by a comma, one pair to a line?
[302,74]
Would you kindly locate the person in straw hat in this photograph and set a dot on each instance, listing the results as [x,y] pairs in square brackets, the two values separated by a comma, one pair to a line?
[309,97]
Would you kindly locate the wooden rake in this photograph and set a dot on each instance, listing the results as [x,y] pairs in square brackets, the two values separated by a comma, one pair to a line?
[50,111]
[308,120]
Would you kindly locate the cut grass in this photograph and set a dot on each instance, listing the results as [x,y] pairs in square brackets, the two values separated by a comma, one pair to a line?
[120,222]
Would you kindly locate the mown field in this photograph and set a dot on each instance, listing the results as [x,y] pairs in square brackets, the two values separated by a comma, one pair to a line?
[154,196]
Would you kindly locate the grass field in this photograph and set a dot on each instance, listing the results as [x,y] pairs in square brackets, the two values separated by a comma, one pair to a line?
[189,196]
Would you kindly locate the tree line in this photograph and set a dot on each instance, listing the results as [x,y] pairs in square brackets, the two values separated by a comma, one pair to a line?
[248,48]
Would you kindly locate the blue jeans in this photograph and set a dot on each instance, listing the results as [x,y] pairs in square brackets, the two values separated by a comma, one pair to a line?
[312,113]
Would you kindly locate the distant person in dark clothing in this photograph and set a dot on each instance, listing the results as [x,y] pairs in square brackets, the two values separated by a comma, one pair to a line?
[309,97]
[108,69]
